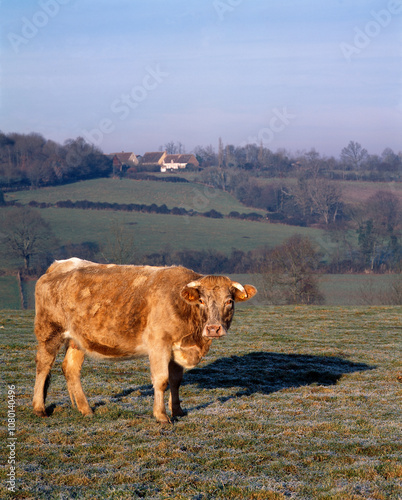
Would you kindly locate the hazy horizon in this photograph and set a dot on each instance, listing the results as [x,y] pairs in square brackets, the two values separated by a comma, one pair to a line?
[133,76]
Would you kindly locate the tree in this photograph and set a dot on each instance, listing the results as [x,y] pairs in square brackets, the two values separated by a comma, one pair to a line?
[317,197]
[220,153]
[354,155]
[311,163]
[120,246]
[391,162]
[291,272]
[173,148]
[206,156]
[27,234]
[379,229]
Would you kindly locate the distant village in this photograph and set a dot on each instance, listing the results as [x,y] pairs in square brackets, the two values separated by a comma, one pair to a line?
[122,162]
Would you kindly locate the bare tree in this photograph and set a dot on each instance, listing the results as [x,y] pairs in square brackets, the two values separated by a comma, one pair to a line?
[220,153]
[318,197]
[326,199]
[379,229]
[354,155]
[120,245]
[206,155]
[26,234]
[290,274]
[173,148]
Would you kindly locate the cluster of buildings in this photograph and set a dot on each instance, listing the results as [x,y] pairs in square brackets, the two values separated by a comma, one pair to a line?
[123,161]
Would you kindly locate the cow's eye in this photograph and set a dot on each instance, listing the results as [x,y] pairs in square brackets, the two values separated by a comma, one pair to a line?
[202,302]
[229,303]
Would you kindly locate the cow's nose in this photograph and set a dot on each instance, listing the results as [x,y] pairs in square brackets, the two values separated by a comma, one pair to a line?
[214,331]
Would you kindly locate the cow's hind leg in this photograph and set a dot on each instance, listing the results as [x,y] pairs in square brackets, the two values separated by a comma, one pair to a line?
[45,356]
[72,369]
[175,378]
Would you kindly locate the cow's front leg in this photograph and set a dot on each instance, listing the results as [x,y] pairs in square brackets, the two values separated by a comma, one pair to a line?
[175,378]
[159,362]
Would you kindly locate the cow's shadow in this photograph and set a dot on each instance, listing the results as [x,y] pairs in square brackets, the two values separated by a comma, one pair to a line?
[262,372]
[267,372]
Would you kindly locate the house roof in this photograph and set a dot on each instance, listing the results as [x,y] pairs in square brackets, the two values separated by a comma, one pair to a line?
[184,159]
[153,157]
[123,157]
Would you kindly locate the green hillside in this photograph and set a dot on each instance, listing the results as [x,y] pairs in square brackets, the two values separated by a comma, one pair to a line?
[156,232]
[190,196]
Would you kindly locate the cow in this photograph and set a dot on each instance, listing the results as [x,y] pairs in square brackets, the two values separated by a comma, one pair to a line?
[108,311]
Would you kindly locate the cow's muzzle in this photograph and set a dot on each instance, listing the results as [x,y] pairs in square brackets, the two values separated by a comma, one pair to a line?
[214,331]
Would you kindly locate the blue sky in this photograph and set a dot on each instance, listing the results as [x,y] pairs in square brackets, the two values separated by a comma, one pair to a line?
[134,75]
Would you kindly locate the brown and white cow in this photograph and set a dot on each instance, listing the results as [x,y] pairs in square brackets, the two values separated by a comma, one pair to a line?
[170,314]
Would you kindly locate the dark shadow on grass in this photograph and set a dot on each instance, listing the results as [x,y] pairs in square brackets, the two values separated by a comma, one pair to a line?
[267,372]
[261,372]
[256,372]
[142,390]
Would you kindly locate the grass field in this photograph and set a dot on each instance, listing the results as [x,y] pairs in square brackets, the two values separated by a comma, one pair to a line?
[153,232]
[9,293]
[190,196]
[358,192]
[298,402]
[353,192]
[156,233]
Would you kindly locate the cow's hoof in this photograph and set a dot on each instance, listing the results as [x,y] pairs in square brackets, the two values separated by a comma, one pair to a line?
[163,419]
[41,413]
[178,413]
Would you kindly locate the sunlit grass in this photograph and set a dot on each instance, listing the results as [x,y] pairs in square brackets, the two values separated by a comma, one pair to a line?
[297,402]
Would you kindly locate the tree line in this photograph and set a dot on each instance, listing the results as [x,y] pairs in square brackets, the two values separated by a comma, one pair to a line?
[354,162]
[30,160]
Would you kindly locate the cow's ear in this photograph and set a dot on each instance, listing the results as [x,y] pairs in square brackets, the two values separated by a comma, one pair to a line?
[190,292]
[242,293]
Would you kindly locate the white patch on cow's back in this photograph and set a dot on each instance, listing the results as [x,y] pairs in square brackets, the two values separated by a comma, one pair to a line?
[75,262]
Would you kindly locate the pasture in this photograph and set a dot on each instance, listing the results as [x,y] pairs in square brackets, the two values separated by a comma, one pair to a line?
[191,196]
[296,402]
[156,233]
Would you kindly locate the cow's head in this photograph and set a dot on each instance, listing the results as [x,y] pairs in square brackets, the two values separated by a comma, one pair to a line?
[215,297]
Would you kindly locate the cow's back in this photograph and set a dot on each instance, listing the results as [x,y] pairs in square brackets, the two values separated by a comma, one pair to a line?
[110,309]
